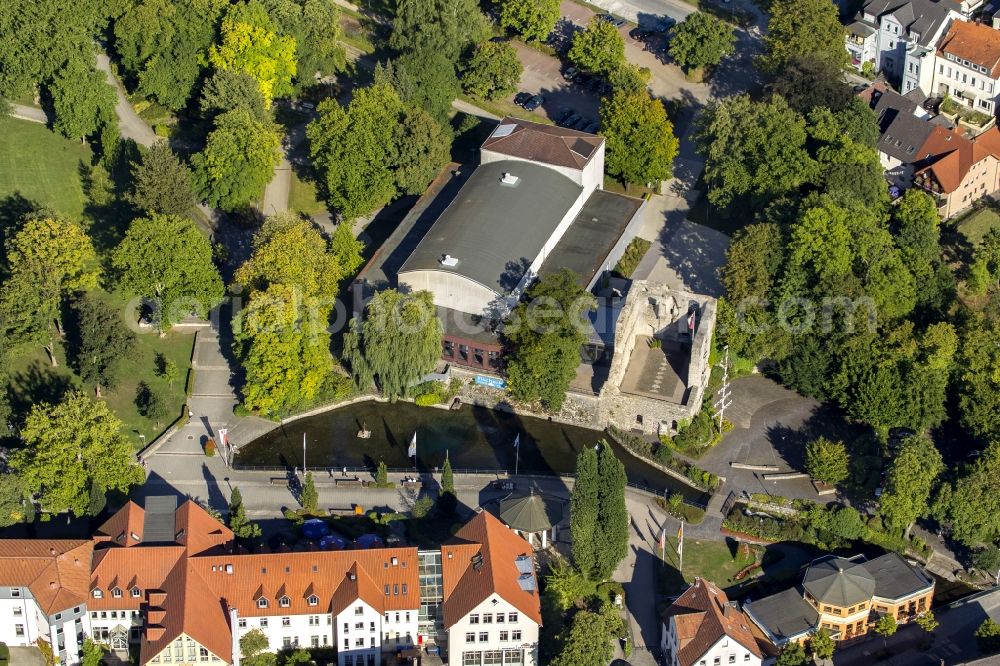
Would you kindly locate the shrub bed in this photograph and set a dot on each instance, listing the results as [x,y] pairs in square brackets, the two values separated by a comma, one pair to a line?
[699,477]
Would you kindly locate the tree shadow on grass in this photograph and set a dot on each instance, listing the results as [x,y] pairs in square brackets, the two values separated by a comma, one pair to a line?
[38,383]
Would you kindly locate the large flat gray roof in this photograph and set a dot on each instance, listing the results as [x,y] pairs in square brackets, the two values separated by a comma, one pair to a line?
[895,578]
[496,230]
[785,614]
[592,236]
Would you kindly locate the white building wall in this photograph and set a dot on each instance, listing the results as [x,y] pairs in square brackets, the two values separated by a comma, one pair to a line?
[358,631]
[450,290]
[953,78]
[462,652]
[399,628]
[299,630]
[67,630]
[19,617]
[591,177]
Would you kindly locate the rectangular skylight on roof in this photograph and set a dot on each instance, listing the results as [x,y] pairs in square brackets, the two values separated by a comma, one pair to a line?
[523,564]
[527,582]
[503,130]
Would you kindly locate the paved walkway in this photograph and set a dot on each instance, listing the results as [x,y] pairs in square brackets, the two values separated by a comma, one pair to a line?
[30,113]
[131,125]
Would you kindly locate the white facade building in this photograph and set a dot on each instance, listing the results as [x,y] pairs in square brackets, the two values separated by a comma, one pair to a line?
[967,66]
[703,628]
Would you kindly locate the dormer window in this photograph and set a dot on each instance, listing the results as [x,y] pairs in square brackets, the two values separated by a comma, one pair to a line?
[262,603]
[313,600]
[116,593]
[135,592]
[98,594]
[284,602]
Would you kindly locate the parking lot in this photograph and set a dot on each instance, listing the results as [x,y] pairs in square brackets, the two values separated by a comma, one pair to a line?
[543,74]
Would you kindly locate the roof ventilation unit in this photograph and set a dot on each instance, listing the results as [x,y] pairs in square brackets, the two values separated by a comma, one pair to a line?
[509,178]
[449,261]
[477,561]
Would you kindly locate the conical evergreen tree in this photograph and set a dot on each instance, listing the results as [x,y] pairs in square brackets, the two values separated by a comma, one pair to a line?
[310,496]
[447,477]
[611,538]
[584,511]
[238,523]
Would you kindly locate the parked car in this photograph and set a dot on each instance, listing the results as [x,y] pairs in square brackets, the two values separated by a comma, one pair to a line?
[570,121]
[613,20]
[665,24]
[534,103]
[522,98]
[570,73]
[640,34]
[591,128]
[580,124]
[564,116]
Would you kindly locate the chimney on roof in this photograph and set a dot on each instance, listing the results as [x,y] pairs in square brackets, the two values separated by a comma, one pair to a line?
[352,576]
[52,551]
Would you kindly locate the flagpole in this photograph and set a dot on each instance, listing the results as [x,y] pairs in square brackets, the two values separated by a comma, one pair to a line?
[303,454]
[680,547]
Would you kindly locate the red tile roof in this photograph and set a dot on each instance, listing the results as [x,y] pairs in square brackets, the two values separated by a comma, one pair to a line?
[119,528]
[299,575]
[702,616]
[127,568]
[198,531]
[465,587]
[975,42]
[188,607]
[57,571]
[948,155]
[543,143]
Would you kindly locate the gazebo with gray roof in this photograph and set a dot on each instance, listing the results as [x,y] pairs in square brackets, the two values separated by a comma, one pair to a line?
[532,517]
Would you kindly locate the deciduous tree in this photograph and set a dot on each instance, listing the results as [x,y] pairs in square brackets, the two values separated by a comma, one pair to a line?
[531,19]
[434,82]
[441,26]
[163,45]
[238,160]
[315,27]
[701,40]
[588,642]
[886,626]
[909,483]
[166,259]
[599,49]
[249,43]
[973,500]
[12,499]
[753,148]
[988,637]
[420,148]
[352,148]
[56,248]
[821,645]
[102,341]
[803,29]
[229,89]
[927,621]
[282,341]
[493,71]
[161,183]
[84,103]
[70,446]
[149,403]
[827,461]
[793,654]
[398,342]
[641,145]
[546,332]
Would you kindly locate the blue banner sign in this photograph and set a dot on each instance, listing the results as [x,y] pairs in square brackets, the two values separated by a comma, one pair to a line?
[492,382]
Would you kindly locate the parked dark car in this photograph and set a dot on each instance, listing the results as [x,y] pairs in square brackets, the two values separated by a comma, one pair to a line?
[580,124]
[665,24]
[569,73]
[640,34]
[570,121]
[522,98]
[613,20]
[534,103]
[564,116]
[591,128]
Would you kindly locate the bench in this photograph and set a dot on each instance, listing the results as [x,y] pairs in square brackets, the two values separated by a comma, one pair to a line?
[350,482]
[279,480]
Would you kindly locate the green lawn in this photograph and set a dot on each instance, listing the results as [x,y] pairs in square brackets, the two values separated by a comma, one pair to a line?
[33,379]
[711,560]
[42,166]
[302,197]
[975,226]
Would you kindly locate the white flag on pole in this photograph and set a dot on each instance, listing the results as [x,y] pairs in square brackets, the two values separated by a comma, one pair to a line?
[517,440]
[412,452]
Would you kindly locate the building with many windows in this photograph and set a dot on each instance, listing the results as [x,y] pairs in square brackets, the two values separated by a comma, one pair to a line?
[171,581]
[491,601]
[703,628]
[844,596]
[968,66]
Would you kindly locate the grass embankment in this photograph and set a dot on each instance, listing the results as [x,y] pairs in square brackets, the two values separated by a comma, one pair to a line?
[41,166]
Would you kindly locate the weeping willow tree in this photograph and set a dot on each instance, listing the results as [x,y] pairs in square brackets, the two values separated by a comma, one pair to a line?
[397,343]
